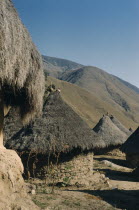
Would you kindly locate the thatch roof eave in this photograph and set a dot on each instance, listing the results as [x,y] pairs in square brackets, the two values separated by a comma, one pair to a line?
[59,129]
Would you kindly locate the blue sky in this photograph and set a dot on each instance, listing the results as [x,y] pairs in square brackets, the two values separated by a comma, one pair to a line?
[102,33]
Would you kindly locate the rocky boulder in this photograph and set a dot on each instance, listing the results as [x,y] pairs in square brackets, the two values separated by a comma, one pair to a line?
[12,186]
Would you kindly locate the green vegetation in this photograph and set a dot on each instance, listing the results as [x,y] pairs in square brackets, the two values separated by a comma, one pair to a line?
[68,166]
[71,204]
[66,180]
[39,204]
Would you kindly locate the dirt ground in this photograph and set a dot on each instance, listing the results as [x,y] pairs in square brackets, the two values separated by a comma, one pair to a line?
[113,187]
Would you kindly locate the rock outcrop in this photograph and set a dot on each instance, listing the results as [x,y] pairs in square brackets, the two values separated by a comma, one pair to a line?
[12,186]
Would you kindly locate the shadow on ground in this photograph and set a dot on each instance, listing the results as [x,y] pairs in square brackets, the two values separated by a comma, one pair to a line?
[123,199]
[114,174]
[118,175]
[119,162]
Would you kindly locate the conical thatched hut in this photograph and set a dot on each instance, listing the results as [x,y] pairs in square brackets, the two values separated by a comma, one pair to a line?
[59,131]
[120,125]
[21,74]
[112,136]
[131,149]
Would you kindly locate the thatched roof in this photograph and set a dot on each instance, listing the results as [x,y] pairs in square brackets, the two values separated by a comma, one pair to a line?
[21,74]
[58,129]
[131,146]
[12,124]
[109,132]
[120,125]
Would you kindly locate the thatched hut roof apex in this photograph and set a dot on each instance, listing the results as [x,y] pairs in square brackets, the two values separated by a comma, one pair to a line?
[120,125]
[109,132]
[131,146]
[59,129]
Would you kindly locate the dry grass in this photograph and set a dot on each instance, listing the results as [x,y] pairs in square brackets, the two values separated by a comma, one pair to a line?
[107,88]
[89,105]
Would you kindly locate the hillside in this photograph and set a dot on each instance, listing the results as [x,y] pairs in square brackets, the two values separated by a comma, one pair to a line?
[106,87]
[56,66]
[133,87]
[51,70]
[89,105]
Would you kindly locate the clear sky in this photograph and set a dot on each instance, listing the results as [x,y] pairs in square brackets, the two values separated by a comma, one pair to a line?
[102,33]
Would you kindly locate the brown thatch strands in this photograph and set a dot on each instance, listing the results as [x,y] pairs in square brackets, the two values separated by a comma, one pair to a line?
[131,146]
[120,125]
[21,75]
[109,132]
[59,129]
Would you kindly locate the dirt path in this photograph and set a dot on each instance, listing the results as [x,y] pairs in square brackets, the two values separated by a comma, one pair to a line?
[123,190]
[113,187]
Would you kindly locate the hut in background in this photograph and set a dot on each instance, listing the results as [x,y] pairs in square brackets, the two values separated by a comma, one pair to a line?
[120,125]
[110,134]
[59,137]
[131,149]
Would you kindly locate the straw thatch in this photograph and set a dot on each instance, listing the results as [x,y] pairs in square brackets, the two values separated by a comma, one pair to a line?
[120,125]
[12,124]
[109,132]
[21,75]
[59,129]
[131,146]
[58,136]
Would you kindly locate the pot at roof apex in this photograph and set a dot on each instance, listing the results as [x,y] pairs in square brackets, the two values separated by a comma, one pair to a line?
[22,81]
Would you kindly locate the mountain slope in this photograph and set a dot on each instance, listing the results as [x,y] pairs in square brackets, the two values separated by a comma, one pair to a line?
[133,87]
[56,66]
[107,88]
[90,106]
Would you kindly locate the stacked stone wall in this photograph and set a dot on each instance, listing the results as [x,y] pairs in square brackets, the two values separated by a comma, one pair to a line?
[79,170]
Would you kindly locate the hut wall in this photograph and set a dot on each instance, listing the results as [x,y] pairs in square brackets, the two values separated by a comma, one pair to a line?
[133,160]
[78,170]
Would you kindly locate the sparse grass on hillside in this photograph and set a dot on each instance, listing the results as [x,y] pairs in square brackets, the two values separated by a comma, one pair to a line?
[108,88]
[56,66]
[89,106]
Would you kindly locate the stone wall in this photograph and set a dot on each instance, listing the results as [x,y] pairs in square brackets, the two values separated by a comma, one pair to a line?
[79,170]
